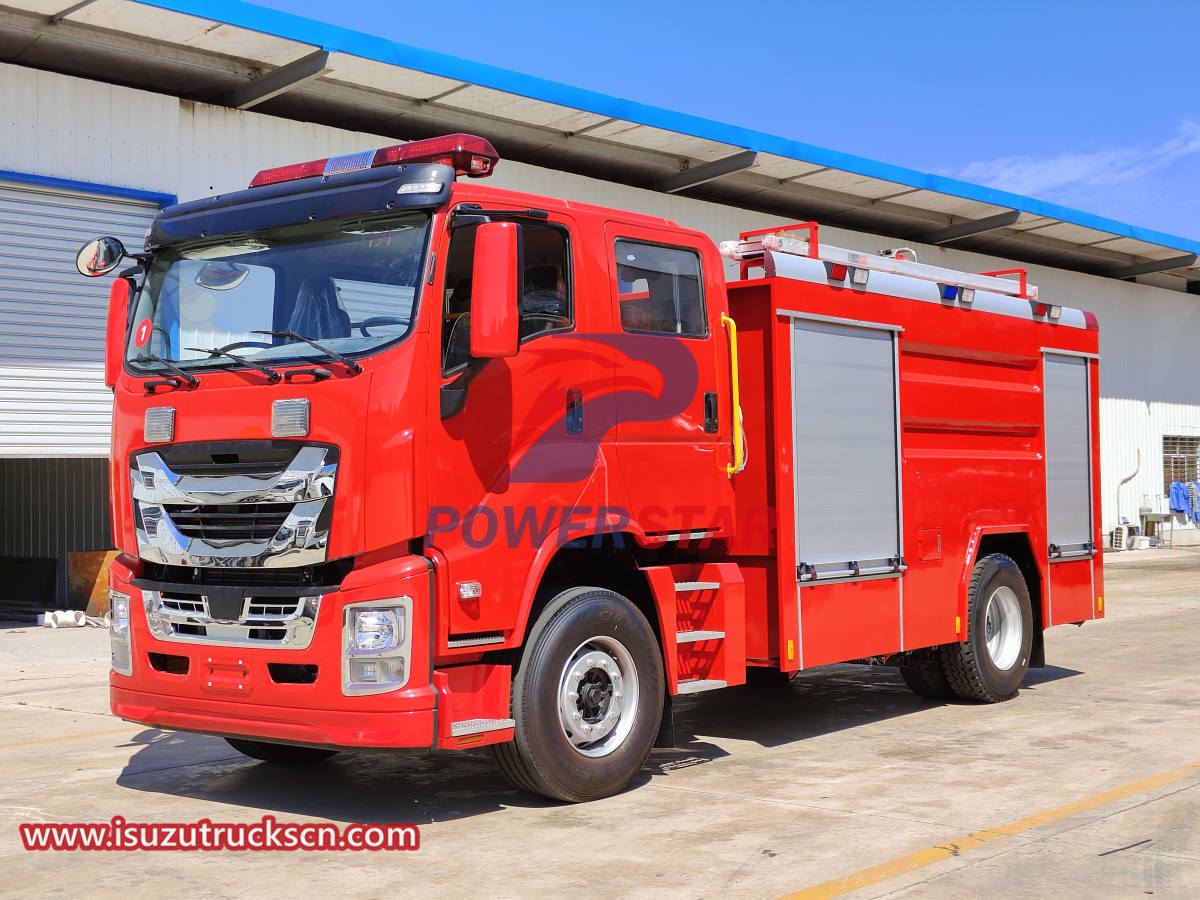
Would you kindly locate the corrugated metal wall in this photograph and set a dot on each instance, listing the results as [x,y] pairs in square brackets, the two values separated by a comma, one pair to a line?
[49,508]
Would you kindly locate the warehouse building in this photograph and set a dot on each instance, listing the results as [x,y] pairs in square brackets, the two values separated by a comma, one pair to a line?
[113,109]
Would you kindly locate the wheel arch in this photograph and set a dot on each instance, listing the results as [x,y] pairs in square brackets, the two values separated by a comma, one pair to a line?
[602,560]
[1016,545]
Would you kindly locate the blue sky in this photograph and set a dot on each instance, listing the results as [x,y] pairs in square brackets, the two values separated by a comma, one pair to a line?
[1092,105]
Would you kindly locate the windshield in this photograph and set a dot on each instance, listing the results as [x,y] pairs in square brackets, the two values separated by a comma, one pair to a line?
[349,285]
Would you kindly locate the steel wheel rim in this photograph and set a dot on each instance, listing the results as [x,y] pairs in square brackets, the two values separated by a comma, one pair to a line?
[1003,628]
[598,696]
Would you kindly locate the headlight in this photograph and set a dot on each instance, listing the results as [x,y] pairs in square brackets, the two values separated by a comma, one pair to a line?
[378,629]
[118,633]
[377,644]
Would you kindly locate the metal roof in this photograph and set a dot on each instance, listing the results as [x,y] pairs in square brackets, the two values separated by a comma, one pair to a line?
[238,54]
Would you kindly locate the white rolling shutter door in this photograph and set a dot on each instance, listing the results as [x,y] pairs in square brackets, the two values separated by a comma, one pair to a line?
[1068,454]
[53,401]
[845,438]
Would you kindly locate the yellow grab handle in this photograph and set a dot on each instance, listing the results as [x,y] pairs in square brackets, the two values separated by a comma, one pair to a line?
[739,434]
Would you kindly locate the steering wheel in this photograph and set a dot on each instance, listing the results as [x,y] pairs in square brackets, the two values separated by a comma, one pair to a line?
[539,322]
[458,343]
[377,320]
[236,344]
[555,320]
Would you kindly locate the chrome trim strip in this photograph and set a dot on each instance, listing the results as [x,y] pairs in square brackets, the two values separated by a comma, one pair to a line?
[479,726]
[307,477]
[308,482]
[298,542]
[477,641]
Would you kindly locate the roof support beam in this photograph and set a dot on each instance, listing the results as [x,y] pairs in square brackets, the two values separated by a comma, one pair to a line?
[1154,265]
[707,172]
[285,78]
[63,13]
[976,226]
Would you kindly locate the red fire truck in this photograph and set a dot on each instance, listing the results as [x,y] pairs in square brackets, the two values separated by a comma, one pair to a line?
[404,461]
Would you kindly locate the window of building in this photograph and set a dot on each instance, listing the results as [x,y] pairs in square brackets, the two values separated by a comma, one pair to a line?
[659,289]
[1181,459]
[546,304]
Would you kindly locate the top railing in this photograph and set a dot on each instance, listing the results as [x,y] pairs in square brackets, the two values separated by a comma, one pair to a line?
[841,265]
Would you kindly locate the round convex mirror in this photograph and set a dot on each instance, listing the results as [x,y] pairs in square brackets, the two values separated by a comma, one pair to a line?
[99,257]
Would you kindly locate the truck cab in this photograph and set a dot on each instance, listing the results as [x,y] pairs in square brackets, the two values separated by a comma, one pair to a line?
[364,412]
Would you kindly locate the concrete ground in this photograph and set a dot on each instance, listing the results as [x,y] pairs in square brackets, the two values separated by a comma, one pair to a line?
[1087,785]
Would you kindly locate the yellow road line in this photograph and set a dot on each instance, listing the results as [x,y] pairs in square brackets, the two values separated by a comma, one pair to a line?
[903,864]
[66,737]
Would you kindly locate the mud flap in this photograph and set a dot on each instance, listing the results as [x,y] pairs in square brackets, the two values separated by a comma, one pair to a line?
[666,728]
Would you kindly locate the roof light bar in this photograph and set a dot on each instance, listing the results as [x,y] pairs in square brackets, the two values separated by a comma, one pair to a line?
[472,156]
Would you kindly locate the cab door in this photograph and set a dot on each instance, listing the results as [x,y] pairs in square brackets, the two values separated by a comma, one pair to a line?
[672,380]
[511,477]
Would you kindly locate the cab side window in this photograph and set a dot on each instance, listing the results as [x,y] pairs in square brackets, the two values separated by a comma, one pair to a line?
[660,289]
[546,296]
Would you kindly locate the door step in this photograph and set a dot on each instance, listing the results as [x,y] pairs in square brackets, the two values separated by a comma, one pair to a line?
[692,637]
[700,684]
[683,587]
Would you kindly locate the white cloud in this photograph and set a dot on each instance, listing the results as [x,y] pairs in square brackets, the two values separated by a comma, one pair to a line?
[1155,185]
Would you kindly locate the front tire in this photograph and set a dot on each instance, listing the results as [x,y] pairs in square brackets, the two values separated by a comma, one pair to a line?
[587,698]
[286,754]
[991,664]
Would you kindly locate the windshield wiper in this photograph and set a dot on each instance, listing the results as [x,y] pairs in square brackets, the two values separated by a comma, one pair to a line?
[192,380]
[350,364]
[217,351]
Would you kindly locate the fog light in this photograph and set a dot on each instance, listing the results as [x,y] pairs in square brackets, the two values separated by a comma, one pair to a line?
[376,671]
[378,629]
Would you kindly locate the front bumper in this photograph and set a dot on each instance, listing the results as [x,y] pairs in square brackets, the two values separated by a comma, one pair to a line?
[291,725]
[232,691]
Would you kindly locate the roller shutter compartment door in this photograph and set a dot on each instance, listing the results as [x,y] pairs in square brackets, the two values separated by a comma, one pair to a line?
[1068,455]
[53,402]
[845,439]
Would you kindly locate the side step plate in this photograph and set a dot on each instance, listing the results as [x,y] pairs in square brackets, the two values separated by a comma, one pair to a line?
[703,684]
[692,637]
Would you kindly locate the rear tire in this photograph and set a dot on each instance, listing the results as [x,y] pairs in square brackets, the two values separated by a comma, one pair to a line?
[924,673]
[285,754]
[991,664]
[587,698]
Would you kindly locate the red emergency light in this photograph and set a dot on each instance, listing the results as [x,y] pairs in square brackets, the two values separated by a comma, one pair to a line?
[472,156]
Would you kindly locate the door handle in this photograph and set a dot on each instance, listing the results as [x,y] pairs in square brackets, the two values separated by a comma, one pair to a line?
[711,422]
[574,411]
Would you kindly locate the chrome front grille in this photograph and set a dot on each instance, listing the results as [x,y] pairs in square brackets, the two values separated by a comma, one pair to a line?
[184,605]
[285,623]
[230,521]
[268,508]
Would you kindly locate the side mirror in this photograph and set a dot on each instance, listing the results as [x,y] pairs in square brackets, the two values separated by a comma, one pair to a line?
[99,257]
[496,292]
[114,335]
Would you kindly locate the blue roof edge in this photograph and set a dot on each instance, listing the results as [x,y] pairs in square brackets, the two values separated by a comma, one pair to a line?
[338,39]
